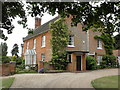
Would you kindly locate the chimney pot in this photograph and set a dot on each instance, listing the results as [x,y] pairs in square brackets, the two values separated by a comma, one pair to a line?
[37,22]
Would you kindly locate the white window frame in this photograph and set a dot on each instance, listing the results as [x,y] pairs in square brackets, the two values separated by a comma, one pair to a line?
[72,41]
[99,44]
[27,45]
[68,58]
[43,43]
[99,60]
[34,44]
[43,58]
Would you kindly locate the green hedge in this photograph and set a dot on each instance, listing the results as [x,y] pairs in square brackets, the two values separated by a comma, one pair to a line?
[108,61]
[91,63]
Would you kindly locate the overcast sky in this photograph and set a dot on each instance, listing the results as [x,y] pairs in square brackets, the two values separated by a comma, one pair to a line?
[19,32]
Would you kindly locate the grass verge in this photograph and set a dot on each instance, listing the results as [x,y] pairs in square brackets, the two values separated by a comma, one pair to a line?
[7,82]
[108,82]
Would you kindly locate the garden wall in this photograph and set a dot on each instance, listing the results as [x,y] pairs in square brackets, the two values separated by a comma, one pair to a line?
[7,69]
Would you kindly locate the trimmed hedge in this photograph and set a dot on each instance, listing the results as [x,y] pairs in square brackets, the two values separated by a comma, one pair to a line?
[91,63]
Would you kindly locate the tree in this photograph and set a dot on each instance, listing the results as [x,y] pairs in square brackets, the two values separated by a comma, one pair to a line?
[10,10]
[117,41]
[104,16]
[3,49]
[59,32]
[15,50]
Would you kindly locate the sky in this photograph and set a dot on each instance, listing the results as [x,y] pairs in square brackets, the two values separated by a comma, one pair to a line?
[19,32]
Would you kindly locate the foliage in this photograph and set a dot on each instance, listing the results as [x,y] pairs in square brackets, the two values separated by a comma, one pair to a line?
[117,41]
[108,61]
[9,12]
[91,63]
[3,49]
[18,60]
[18,71]
[21,69]
[103,15]
[7,82]
[15,50]
[108,41]
[42,70]
[5,59]
[97,14]
[59,40]
[107,82]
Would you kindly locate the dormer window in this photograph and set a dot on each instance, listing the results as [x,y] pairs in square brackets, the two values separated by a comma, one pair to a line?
[71,41]
[99,44]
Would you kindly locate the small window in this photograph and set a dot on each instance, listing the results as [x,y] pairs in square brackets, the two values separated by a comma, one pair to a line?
[99,44]
[71,41]
[34,45]
[43,41]
[43,57]
[27,45]
[99,59]
[69,58]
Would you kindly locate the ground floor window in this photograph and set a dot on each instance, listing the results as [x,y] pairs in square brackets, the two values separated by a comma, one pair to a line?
[30,57]
[99,59]
[43,57]
[69,58]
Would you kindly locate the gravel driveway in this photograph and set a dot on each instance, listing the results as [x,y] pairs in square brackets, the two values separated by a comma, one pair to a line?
[60,80]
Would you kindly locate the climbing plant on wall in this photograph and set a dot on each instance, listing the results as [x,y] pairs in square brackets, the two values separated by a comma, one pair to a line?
[108,41]
[59,32]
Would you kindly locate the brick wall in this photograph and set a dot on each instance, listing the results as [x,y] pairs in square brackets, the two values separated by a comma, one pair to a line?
[7,69]
[39,50]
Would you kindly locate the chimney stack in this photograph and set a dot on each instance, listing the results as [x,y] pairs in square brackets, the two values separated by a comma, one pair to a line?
[37,22]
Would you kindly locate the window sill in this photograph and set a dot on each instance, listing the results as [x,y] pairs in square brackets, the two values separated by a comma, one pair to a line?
[70,46]
[43,47]
[99,48]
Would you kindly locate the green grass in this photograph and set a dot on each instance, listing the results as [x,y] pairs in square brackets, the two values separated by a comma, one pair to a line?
[106,82]
[7,82]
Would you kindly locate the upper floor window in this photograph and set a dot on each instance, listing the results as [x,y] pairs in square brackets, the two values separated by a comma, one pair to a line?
[99,44]
[43,41]
[71,41]
[27,45]
[43,57]
[34,44]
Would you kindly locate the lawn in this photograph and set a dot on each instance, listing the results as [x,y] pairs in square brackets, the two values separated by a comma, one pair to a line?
[106,82]
[7,82]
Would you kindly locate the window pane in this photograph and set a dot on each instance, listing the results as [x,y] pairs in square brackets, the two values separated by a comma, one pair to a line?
[71,40]
[43,41]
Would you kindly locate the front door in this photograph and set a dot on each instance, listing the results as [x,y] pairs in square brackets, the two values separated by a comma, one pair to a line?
[78,63]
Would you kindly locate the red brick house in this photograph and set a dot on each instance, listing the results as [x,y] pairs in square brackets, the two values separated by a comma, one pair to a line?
[37,46]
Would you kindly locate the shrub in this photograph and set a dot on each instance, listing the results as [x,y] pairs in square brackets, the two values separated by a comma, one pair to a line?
[108,61]
[42,70]
[91,63]
[18,60]
[5,59]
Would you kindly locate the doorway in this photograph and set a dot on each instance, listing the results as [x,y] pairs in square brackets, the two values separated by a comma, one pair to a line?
[79,63]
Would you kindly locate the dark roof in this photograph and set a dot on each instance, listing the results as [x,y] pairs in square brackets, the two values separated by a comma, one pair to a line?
[73,51]
[42,29]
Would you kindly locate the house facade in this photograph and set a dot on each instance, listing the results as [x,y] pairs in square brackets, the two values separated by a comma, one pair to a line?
[37,46]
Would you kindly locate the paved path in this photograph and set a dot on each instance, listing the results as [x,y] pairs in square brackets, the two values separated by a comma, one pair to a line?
[60,80]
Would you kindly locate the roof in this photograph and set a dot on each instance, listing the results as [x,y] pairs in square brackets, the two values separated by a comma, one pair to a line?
[42,29]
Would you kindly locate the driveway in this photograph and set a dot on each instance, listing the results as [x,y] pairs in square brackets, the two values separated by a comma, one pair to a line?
[60,80]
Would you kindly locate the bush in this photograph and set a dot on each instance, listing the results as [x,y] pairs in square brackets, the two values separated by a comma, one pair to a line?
[5,59]
[91,63]
[108,61]
[18,60]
